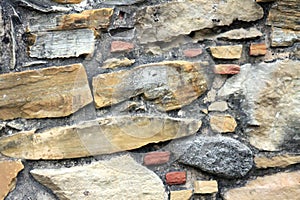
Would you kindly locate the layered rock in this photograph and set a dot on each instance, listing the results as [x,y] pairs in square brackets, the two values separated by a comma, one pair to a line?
[276,161]
[52,92]
[240,34]
[118,178]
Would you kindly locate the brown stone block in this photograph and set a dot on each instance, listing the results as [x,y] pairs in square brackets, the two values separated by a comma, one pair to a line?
[190,53]
[156,158]
[258,49]
[176,178]
[227,52]
[227,69]
[120,46]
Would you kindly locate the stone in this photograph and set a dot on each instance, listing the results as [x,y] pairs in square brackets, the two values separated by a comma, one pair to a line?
[284,37]
[181,195]
[278,186]
[227,69]
[95,137]
[176,178]
[62,44]
[120,46]
[122,2]
[280,161]
[156,158]
[264,1]
[240,34]
[227,52]
[1,24]
[222,156]
[220,106]
[170,84]
[44,6]
[116,62]
[190,53]
[9,171]
[205,187]
[54,92]
[167,21]
[276,88]
[118,178]
[258,49]
[68,1]
[88,19]
[222,123]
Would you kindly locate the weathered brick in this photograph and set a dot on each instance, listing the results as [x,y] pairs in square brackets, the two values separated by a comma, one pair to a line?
[156,158]
[176,178]
[120,46]
[258,49]
[227,69]
[190,53]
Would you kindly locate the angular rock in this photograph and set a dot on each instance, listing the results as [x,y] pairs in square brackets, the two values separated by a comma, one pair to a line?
[176,178]
[54,92]
[62,44]
[190,53]
[222,156]
[181,195]
[222,123]
[88,19]
[120,46]
[9,170]
[240,34]
[156,158]
[170,84]
[273,187]
[276,161]
[284,37]
[258,49]
[44,6]
[115,62]
[227,52]
[167,21]
[100,136]
[227,69]
[218,106]
[276,88]
[205,187]
[68,1]
[118,178]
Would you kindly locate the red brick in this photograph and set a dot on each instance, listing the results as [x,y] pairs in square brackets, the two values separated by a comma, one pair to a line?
[227,69]
[176,178]
[156,158]
[190,53]
[120,46]
[258,49]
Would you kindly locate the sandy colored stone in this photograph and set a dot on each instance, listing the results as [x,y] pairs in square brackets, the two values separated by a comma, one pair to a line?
[116,62]
[54,92]
[227,52]
[258,49]
[280,186]
[218,106]
[170,85]
[100,136]
[276,161]
[205,187]
[181,195]
[167,21]
[118,178]
[9,170]
[68,1]
[240,34]
[222,123]
[227,69]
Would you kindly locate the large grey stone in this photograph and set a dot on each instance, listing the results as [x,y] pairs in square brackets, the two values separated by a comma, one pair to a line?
[219,155]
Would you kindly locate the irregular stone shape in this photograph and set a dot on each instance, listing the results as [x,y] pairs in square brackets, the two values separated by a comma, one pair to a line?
[218,106]
[68,1]
[273,187]
[276,88]
[100,136]
[176,178]
[265,0]
[54,92]
[181,195]
[205,187]
[258,49]
[1,25]
[121,2]
[9,170]
[44,6]
[240,34]
[219,155]
[227,52]
[222,123]
[156,158]
[167,21]
[115,62]
[89,19]
[284,37]
[276,161]
[190,53]
[62,44]
[120,46]
[227,69]
[170,84]
[118,178]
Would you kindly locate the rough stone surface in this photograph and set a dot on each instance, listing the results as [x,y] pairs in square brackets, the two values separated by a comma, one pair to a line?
[120,46]
[276,161]
[190,53]
[222,156]
[9,170]
[227,69]
[227,52]
[274,187]
[284,37]
[176,178]
[240,34]
[258,49]
[170,85]
[68,1]
[181,195]
[166,21]
[156,158]
[205,187]
[122,2]
[101,136]
[276,88]
[116,62]
[218,106]
[54,92]
[222,123]
[118,178]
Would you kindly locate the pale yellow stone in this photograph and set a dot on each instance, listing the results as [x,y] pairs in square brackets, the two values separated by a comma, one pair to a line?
[181,195]
[218,106]
[116,62]
[205,187]
[276,161]
[281,186]
[227,52]
[222,123]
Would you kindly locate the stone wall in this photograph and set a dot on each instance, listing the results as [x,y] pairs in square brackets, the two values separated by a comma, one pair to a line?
[161,99]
